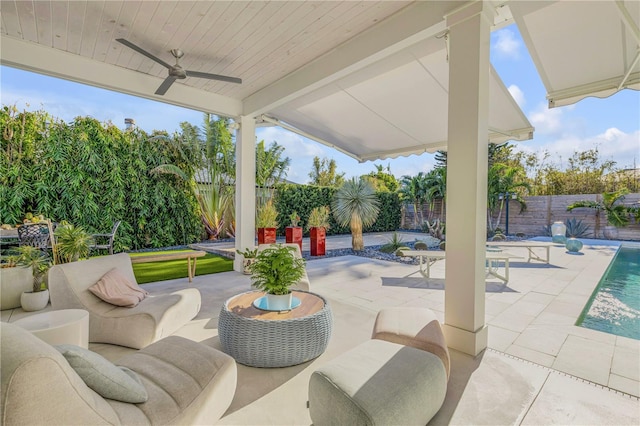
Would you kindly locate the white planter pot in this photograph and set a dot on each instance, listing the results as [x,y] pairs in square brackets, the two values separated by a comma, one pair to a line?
[610,232]
[31,301]
[279,302]
[246,263]
[14,282]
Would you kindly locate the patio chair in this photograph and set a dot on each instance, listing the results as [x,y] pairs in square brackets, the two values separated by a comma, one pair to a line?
[35,235]
[105,241]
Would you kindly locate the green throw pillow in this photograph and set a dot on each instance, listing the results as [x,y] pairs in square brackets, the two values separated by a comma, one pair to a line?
[107,379]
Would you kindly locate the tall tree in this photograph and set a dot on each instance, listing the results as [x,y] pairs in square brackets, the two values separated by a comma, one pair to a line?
[382,180]
[324,173]
[271,164]
[504,182]
[441,159]
[413,190]
[436,188]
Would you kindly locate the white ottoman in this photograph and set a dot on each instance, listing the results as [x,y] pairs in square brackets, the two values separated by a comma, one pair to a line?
[378,383]
[66,326]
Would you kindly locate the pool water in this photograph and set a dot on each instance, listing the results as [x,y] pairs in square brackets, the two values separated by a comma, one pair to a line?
[614,306]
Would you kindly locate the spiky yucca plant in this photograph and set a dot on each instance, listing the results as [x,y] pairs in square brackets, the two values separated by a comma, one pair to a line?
[355,204]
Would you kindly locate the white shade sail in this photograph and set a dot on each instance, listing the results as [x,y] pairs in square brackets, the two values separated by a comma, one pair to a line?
[582,48]
[396,106]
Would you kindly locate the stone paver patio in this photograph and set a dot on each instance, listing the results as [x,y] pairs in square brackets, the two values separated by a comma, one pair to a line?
[540,368]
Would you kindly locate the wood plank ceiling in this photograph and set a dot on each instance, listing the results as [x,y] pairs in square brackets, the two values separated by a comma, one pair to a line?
[260,42]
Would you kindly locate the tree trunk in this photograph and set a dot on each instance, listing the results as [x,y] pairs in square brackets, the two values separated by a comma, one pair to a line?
[356,233]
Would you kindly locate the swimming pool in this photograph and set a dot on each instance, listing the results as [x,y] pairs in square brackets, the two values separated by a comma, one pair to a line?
[614,306]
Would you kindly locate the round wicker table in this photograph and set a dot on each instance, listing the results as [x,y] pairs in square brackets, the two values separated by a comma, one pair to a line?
[259,338]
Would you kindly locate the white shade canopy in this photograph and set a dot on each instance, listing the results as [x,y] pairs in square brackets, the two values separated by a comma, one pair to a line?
[582,48]
[397,106]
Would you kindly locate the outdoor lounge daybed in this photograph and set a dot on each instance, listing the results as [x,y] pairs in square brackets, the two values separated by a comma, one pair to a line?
[153,318]
[185,382]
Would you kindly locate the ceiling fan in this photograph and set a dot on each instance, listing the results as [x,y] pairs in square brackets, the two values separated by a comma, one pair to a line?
[176,71]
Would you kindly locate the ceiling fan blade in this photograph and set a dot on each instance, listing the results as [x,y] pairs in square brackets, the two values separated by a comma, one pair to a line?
[214,76]
[143,52]
[165,85]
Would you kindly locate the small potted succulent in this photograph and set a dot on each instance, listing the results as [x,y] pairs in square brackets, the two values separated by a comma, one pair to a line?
[39,263]
[248,257]
[317,225]
[293,232]
[267,222]
[274,271]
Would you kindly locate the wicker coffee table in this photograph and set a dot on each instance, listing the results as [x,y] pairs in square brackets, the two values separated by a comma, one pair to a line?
[259,338]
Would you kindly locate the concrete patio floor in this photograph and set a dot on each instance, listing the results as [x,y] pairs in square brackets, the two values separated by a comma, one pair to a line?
[539,368]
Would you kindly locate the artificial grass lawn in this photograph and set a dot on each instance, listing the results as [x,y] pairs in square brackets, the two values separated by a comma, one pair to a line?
[172,269]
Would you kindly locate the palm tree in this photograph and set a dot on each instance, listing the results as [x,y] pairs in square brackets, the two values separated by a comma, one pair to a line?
[617,214]
[413,190]
[436,182]
[355,204]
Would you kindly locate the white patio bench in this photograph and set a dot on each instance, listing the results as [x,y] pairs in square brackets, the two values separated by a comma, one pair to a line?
[429,257]
[529,245]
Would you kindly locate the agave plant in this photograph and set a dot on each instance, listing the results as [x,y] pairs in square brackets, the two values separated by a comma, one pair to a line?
[576,228]
[393,244]
[355,204]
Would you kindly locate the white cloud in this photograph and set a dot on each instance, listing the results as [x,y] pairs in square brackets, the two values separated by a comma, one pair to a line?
[294,144]
[506,44]
[612,144]
[546,121]
[518,95]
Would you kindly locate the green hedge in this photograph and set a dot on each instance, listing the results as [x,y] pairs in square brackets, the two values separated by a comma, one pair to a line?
[92,174]
[304,198]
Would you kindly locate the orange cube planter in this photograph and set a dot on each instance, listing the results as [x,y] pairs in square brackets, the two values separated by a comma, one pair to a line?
[318,241]
[266,235]
[293,234]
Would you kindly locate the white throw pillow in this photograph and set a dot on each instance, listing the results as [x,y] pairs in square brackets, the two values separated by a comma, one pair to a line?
[107,379]
[115,288]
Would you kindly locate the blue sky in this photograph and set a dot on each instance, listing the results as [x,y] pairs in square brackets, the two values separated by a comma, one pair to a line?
[612,125]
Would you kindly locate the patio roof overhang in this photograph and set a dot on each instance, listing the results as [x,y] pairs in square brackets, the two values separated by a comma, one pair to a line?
[582,49]
[379,93]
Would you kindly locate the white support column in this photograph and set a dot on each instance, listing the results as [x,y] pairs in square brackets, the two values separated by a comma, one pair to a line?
[469,31]
[245,186]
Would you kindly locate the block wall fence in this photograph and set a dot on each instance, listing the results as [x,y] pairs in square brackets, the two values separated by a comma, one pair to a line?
[543,211]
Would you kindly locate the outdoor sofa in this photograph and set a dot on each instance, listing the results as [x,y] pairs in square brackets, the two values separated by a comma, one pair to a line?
[152,319]
[184,382]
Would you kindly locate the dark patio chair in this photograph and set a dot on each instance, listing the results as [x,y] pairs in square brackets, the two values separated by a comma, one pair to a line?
[35,235]
[105,241]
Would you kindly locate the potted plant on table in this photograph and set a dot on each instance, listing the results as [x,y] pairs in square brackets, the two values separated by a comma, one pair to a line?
[274,271]
[267,223]
[317,225]
[39,263]
[293,232]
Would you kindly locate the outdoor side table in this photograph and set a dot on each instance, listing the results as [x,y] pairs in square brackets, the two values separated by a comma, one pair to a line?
[66,326]
[259,338]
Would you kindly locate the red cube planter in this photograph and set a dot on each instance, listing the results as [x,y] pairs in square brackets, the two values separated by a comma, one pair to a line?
[318,241]
[293,234]
[266,235]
